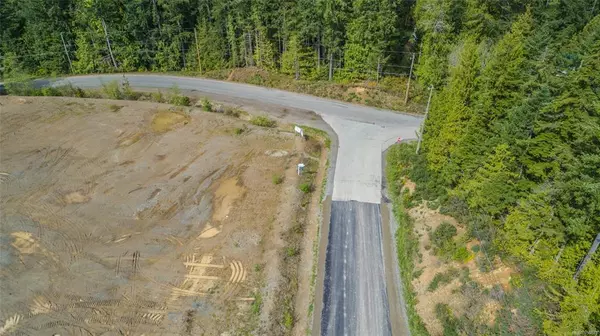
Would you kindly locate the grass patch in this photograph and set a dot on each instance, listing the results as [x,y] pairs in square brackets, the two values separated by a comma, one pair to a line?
[240,130]
[311,132]
[257,304]
[277,179]
[263,121]
[406,241]
[306,187]
[165,120]
[115,108]
[441,279]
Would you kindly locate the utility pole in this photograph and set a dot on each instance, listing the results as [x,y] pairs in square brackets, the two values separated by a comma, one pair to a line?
[330,66]
[108,43]
[588,256]
[423,124]
[258,48]
[412,62]
[319,52]
[378,68]
[250,55]
[197,51]
[66,52]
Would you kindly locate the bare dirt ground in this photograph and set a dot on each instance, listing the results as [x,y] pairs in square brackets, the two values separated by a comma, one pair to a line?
[130,218]
[484,307]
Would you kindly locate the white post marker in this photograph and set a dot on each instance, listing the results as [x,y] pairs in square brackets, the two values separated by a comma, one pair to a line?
[299,131]
[300,168]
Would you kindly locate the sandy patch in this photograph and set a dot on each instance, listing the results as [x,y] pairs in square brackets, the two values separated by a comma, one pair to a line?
[164,121]
[226,194]
[76,197]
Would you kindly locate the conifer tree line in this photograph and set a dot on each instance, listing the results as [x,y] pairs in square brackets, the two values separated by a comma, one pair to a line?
[512,142]
[291,36]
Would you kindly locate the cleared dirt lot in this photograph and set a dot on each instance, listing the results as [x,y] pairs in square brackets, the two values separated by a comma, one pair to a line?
[128,218]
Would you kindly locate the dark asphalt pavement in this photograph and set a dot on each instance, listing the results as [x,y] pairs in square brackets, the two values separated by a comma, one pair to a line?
[355,299]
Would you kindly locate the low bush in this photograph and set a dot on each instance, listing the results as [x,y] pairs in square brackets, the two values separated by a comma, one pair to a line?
[232,112]
[461,254]
[306,187]
[442,279]
[179,100]
[450,323]
[442,235]
[115,108]
[112,90]
[263,121]
[240,130]
[277,179]
[157,97]
[206,105]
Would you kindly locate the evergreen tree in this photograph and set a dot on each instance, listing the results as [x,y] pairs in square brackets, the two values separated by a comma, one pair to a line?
[368,36]
[451,114]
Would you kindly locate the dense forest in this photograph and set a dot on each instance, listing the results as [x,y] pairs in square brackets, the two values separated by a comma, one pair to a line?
[511,144]
[358,38]
[512,141]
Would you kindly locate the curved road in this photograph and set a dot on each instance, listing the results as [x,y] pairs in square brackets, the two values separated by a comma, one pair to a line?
[355,296]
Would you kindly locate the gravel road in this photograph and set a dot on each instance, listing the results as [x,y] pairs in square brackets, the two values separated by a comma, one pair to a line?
[355,300]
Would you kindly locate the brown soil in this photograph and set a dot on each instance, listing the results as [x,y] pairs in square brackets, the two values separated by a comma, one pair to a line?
[427,220]
[150,220]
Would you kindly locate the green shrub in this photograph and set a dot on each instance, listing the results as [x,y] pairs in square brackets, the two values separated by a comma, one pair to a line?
[22,88]
[288,320]
[50,91]
[112,90]
[263,121]
[443,235]
[306,187]
[450,323]
[128,92]
[233,112]
[115,108]
[240,130]
[206,105]
[291,251]
[407,199]
[180,100]
[257,304]
[277,179]
[461,254]
[438,279]
[475,248]
[157,97]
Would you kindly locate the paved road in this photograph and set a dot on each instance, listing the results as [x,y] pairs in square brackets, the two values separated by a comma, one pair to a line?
[355,300]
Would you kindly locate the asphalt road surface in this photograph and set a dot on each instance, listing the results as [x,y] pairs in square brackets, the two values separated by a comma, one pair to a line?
[355,300]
